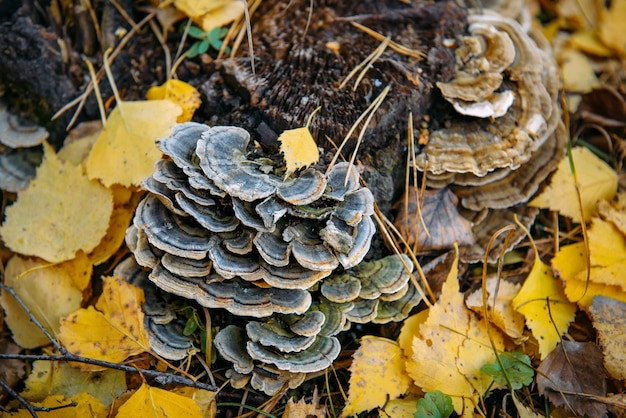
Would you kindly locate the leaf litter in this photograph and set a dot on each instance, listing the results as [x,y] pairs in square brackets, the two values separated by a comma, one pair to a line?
[477,353]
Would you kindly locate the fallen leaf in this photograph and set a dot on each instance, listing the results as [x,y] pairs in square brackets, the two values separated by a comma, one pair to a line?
[609,321]
[79,142]
[578,14]
[543,303]
[377,375]
[303,409]
[588,41]
[179,92]
[574,368]
[510,369]
[113,330]
[597,181]
[611,26]
[576,70]
[400,408]
[434,404]
[123,211]
[411,328]
[614,212]
[11,370]
[53,378]
[205,399]
[445,225]
[86,406]
[435,351]
[607,248]
[570,264]
[60,213]
[197,8]
[125,151]
[49,291]
[149,401]
[223,16]
[299,148]
[501,312]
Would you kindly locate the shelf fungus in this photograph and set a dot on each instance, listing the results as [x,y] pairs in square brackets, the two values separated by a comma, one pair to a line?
[221,226]
[502,135]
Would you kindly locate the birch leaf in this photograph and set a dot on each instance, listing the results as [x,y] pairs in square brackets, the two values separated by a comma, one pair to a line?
[179,92]
[125,151]
[113,330]
[149,401]
[543,303]
[60,213]
[299,148]
[377,375]
[597,181]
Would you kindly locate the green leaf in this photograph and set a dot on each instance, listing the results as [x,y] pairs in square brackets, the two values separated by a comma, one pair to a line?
[190,326]
[204,46]
[196,32]
[193,50]
[517,369]
[434,405]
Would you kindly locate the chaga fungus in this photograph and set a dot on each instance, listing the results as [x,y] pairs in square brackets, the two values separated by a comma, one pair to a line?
[504,133]
[225,230]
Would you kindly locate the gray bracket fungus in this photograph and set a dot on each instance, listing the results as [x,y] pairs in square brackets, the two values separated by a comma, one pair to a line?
[223,230]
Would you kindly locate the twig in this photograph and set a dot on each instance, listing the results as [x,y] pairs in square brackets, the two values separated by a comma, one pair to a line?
[32,410]
[161,377]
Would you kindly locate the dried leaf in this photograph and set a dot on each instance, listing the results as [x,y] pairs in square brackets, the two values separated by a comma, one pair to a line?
[179,92]
[611,26]
[501,313]
[609,321]
[53,378]
[588,41]
[149,401]
[435,351]
[302,409]
[205,399]
[439,212]
[114,331]
[377,375]
[400,408]
[299,149]
[543,303]
[222,16]
[614,212]
[125,151]
[578,74]
[197,8]
[574,368]
[49,291]
[79,142]
[60,213]
[597,181]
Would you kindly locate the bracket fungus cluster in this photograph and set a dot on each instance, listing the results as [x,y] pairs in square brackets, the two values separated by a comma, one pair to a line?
[220,226]
[504,135]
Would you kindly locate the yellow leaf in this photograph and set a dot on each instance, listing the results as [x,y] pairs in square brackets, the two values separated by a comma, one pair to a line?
[477,351]
[54,378]
[79,142]
[611,27]
[114,331]
[614,212]
[197,8]
[597,181]
[436,349]
[543,303]
[86,406]
[60,213]
[299,148]
[179,92]
[222,16]
[587,41]
[125,151]
[501,314]
[205,399]
[302,409]
[410,328]
[400,408]
[148,401]
[604,280]
[49,291]
[578,74]
[377,375]
[123,211]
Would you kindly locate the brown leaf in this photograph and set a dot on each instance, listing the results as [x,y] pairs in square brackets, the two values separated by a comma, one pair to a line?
[609,320]
[11,370]
[445,224]
[571,370]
